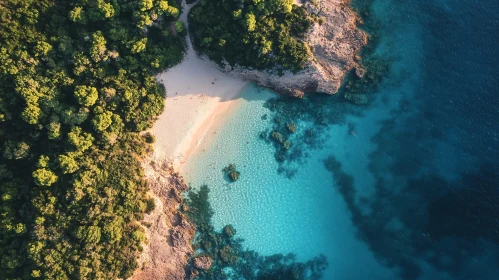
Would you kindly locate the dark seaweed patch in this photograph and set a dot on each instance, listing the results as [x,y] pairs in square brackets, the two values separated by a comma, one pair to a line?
[228,258]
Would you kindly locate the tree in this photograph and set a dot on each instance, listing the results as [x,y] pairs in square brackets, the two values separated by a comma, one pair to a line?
[74,116]
[77,15]
[86,95]
[113,229]
[43,161]
[31,114]
[68,163]
[73,100]
[42,48]
[262,34]
[139,46]
[102,121]
[54,130]
[44,177]
[79,139]
[98,51]
[16,151]
[106,9]
[89,235]
[250,22]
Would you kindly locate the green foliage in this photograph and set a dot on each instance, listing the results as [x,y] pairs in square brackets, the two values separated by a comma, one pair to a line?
[102,121]
[149,137]
[150,205]
[179,27]
[44,177]
[15,151]
[256,34]
[76,87]
[43,161]
[250,22]
[86,96]
[79,139]
[68,163]
[139,46]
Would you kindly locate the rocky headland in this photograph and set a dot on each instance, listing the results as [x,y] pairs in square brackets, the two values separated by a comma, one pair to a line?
[333,42]
[169,233]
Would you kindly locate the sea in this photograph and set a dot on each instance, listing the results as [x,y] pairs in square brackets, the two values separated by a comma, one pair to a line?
[405,187]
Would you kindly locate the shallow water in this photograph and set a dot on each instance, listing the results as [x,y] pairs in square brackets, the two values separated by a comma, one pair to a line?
[410,188]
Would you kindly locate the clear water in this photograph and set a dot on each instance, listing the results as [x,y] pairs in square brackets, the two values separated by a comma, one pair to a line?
[416,193]
[303,215]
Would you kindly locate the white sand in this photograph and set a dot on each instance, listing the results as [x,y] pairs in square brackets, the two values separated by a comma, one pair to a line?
[197,93]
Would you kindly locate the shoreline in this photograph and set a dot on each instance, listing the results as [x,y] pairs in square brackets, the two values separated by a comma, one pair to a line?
[197,93]
[200,97]
[209,124]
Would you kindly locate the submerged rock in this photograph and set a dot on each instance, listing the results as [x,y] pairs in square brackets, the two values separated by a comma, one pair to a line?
[359,99]
[202,262]
[333,44]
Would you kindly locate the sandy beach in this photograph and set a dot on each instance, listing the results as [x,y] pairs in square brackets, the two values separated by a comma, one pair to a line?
[197,93]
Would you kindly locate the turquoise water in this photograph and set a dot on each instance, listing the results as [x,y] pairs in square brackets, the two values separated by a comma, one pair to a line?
[405,188]
[274,214]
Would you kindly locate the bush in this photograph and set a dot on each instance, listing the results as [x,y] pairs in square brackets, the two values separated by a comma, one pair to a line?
[149,138]
[150,205]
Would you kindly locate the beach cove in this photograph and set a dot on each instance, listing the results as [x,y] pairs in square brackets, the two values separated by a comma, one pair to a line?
[371,188]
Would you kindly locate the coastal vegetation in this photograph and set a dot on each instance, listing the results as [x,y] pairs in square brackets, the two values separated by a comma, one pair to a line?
[251,33]
[77,87]
[220,255]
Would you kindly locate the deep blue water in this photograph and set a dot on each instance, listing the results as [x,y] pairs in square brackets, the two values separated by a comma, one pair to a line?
[436,165]
[405,188]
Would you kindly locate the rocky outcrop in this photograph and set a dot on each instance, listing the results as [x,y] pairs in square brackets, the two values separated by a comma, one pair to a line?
[333,46]
[202,262]
[168,232]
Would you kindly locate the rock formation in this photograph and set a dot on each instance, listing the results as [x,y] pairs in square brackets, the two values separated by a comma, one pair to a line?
[168,232]
[202,262]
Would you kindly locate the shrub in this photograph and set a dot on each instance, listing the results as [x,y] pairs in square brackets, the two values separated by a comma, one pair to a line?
[150,138]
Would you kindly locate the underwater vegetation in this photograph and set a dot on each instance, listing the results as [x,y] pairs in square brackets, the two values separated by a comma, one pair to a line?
[231,172]
[419,221]
[358,90]
[220,255]
[290,132]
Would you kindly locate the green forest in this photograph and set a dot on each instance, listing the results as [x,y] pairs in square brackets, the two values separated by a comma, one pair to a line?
[258,34]
[77,87]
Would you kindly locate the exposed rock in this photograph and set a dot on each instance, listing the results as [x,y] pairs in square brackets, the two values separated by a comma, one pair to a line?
[333,46]
[297,93]
[360,71]
[194,273]
[202,262]
[169,234]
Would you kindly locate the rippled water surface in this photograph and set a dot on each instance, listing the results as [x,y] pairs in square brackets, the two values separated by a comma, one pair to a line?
[405,188]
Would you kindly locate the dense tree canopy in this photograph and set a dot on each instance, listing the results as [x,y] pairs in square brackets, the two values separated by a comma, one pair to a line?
[260,34]
[76,88]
